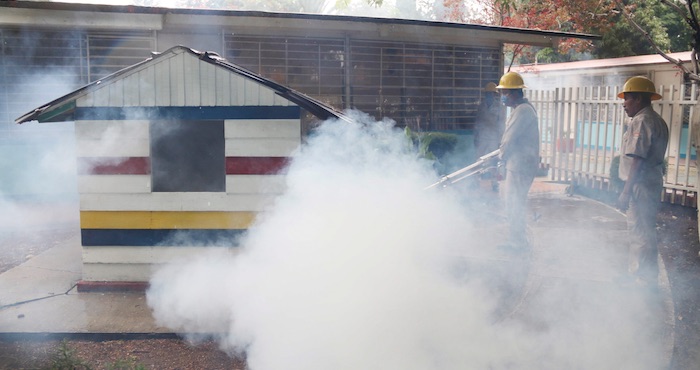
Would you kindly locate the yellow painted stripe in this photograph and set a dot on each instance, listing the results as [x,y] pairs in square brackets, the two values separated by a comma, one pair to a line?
[165,220]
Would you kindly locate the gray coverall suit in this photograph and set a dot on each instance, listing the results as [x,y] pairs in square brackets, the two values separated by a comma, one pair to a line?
[645,137]
[520,150]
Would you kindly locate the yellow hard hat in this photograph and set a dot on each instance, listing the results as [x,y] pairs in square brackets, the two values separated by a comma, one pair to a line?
[490,87]
[511,80]
[639,84]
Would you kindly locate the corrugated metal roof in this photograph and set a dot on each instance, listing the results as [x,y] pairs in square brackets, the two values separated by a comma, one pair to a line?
[63,108]
[355,24]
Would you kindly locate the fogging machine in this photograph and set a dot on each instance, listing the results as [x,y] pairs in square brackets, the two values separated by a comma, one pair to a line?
[484,164]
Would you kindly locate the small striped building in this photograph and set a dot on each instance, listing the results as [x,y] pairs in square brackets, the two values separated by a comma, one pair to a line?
[177,152]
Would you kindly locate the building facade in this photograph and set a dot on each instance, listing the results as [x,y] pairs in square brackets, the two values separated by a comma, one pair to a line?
[185,148]
[425,75]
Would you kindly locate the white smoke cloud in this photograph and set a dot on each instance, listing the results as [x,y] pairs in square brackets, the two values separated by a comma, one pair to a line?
[37,160]
[357,266]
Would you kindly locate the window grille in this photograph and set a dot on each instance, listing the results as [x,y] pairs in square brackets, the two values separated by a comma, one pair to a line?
[312,66]
[425,87]
[36,67]
[108,53]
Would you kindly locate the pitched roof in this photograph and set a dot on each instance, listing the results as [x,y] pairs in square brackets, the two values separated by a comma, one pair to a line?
[63,108]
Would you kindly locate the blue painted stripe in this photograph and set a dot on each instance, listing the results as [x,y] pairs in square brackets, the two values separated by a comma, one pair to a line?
[155,237]
[187,113]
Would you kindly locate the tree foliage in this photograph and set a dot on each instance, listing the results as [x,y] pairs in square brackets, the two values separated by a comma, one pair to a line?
[663,25]
[580,16]
[685,12]
[603,17]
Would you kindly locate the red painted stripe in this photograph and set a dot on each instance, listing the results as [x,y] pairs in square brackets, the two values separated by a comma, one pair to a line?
[114,166]
[255,165]
[142,165]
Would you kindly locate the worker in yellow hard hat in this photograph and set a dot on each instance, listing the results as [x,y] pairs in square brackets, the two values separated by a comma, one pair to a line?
[490,124]
[642,157]
[520,155]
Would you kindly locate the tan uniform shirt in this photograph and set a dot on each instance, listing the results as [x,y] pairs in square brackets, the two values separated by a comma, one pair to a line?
[646,137]
[520,146]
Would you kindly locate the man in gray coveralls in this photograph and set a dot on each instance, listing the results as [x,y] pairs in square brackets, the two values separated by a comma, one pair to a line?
[520,153]
[642,168]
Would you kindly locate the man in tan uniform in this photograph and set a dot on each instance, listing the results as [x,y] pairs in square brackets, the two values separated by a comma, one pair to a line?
[642,168]
[520,153]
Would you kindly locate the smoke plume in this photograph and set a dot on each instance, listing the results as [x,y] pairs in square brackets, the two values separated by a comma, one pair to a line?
[357,266]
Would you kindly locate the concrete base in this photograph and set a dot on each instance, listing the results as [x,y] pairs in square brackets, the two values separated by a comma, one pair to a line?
[111,286]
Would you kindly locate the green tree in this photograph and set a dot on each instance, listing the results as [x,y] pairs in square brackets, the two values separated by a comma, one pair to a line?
[658,21]
[665,26]
[679,16]
[680,35]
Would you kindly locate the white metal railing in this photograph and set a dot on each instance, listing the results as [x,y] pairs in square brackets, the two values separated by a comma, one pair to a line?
[581,132]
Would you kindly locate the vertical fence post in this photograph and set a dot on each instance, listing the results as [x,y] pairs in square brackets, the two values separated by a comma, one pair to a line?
[556,165]
[603,121]
[587,130]
[572,127]
[692,143]
[597,108]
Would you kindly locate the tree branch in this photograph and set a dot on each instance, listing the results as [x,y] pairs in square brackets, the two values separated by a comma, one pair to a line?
[693,16]
[516,50]
[689,74]
[683,12]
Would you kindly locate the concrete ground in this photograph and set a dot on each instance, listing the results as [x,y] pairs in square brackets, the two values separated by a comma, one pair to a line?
[579,248]
[40,296]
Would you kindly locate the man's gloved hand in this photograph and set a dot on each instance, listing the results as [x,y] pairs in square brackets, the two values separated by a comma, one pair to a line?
[501,170]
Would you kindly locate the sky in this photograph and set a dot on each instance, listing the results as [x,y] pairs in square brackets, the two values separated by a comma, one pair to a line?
[162,3]
[106,2]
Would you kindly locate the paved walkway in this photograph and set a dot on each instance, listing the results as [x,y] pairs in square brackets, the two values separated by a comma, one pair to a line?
[40,296]
[564,289]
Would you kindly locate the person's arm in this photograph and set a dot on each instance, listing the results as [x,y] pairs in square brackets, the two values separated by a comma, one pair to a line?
[623,201]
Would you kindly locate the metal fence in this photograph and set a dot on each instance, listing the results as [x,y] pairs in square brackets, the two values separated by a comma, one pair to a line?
[581,132]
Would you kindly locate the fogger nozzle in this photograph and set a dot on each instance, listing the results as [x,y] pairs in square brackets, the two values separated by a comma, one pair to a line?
[484,163]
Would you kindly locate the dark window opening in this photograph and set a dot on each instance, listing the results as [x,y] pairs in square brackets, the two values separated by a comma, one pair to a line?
[188,156]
